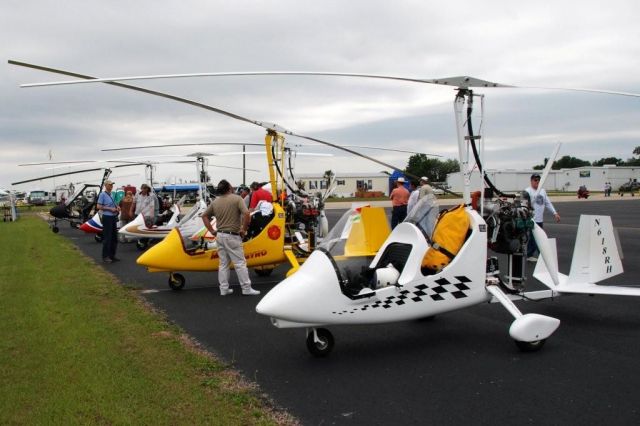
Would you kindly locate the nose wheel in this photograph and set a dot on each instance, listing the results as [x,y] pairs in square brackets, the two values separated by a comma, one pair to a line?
[176,281]
[530,346]
[319,342]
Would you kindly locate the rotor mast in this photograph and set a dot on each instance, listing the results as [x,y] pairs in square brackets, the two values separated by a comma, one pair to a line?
[462,98]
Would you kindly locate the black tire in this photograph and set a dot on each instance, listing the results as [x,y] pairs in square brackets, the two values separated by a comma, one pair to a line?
[324,346]
[264,272]
[142,244]
[55,229]
[98,238]
[530,346]
[176,281]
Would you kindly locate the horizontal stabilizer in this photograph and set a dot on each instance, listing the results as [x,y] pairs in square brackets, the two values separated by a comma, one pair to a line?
[590,288]
[595,258]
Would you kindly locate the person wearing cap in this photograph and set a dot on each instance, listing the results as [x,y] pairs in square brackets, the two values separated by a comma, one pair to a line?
[425,188]
[258,193]
[539,202]
[110,211]
[232,221]
[399,200]
[145,203]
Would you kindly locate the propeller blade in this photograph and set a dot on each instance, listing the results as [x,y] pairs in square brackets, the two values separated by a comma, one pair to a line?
[547,168]
[547,252]
[265,125]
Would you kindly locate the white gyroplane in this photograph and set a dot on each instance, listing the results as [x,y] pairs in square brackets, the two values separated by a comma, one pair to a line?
[337,285]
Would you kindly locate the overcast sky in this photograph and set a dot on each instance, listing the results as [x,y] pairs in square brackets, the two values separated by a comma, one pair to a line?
[583,44]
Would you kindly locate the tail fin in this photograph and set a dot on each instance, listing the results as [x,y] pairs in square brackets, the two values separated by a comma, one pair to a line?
[595,255]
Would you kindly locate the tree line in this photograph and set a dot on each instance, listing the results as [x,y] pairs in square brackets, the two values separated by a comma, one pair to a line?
[436,170]
[569,162]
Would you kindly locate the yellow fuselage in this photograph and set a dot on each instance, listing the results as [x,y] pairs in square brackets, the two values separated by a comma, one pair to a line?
[266,249]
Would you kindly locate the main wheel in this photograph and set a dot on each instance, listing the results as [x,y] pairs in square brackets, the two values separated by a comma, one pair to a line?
[98,238]
[55,229]
[530,346]
[264,272]
[321,345]
[176,281]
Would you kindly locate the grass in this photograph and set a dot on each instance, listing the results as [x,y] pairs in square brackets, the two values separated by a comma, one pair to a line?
[77,347]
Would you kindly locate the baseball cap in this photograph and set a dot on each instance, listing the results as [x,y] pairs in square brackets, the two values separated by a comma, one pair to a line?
[535,176]
[400,179]
[424,178]
[108,182]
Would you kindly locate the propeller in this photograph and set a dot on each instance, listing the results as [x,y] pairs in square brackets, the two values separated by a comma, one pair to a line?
[541,238]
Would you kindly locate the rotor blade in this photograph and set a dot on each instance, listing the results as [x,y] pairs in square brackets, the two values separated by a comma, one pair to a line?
[46,163]
[268,126]
[75,172]
[460,82]
[143,90]
[54,176]
[181,144]
[210,165]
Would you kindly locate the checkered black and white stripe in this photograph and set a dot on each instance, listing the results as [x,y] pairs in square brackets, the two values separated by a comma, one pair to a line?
[438,290]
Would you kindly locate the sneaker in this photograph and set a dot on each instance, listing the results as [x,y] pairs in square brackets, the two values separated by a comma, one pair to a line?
[250,292]
[532,259]
[226,291]
[107,260]
[115,259]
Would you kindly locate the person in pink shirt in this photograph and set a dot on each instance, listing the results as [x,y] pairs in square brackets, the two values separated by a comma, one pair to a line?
[399,200]
[258,194]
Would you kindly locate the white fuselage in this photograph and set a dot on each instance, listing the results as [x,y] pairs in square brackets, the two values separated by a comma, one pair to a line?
[313,295]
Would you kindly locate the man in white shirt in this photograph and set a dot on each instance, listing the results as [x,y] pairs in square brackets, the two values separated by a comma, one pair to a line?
[413,197]
[539,203]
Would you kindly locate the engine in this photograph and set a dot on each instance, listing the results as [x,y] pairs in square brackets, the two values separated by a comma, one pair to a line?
[509,223]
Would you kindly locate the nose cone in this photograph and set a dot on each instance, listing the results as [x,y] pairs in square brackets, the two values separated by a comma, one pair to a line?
[306,296]
[163,255]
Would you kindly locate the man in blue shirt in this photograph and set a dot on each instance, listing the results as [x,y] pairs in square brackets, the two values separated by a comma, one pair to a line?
[110,211]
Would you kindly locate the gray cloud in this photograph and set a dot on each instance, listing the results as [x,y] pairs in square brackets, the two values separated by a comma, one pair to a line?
[569,44]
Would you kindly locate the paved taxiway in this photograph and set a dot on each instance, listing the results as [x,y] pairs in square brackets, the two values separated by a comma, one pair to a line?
[460,368]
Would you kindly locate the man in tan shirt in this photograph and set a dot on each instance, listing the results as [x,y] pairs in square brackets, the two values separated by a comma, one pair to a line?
[232,221]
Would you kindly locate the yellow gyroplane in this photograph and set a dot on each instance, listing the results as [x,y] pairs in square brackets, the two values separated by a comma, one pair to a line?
[272,238]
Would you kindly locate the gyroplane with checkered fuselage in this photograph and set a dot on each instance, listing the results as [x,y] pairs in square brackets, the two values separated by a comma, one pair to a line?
[432,263]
